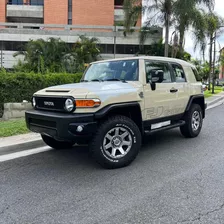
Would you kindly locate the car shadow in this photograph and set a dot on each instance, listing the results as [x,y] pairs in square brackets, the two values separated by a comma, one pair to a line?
[80,154]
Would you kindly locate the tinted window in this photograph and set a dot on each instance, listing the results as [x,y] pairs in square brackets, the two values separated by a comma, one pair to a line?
[178,73]
[197,76]
[153,67]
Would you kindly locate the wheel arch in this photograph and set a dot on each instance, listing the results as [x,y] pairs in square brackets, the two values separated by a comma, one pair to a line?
[198,99]
[131,110]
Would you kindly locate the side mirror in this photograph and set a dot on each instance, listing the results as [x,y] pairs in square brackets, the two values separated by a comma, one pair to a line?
[157,77]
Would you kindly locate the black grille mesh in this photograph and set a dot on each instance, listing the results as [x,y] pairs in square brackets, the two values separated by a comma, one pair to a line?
[50,103]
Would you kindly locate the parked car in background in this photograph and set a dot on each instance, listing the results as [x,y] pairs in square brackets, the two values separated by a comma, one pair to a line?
[220,82]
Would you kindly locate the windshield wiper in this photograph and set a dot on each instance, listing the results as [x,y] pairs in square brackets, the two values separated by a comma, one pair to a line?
[121,80]
[96,80]
[84,80]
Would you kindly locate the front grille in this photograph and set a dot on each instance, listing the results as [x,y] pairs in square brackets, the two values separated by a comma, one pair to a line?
[50,103]
[42,123]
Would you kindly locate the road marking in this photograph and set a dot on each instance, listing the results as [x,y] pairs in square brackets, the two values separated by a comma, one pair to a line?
[25,153]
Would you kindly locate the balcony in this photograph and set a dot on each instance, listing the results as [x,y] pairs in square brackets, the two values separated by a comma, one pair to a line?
[31,11]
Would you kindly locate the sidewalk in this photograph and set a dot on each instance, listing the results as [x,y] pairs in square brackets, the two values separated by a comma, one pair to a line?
[33,140]
[213,100]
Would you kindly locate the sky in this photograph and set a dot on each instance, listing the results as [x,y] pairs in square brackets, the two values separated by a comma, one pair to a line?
[189,45]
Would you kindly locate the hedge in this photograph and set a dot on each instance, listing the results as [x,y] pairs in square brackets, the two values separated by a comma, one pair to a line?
[16,87]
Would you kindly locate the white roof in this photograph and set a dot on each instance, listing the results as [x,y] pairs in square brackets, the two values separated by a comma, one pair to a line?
[166,59]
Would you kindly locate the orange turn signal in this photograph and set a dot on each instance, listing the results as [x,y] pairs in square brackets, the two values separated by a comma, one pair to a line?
[88,103]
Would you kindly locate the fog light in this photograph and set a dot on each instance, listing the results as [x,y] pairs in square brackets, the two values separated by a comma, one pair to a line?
[79,128]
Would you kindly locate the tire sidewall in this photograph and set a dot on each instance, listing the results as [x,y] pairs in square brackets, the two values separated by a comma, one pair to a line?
[195,108]
[101,155]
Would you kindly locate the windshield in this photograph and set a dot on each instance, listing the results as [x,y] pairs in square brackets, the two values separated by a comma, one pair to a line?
[113,71]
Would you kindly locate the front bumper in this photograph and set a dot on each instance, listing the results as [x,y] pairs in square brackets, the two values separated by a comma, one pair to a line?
[61,126]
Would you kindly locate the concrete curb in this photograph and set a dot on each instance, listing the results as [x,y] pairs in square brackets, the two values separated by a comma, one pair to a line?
[214,103]
[22,146]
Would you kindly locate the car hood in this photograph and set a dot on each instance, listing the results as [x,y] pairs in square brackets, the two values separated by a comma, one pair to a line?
[85,88]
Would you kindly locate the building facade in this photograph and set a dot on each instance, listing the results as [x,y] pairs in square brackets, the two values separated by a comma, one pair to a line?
[71,12]
[22,20]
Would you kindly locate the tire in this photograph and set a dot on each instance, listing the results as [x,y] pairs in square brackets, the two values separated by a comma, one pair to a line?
[188,130]
[56,144]
[116,143]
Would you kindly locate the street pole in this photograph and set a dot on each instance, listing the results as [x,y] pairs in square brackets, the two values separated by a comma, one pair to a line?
[213,70]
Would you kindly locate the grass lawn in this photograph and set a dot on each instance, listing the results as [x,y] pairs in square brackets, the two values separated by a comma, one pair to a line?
[218,89]
[13,127]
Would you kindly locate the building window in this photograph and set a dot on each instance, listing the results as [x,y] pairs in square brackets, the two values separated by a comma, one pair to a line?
[36,2]
[69,12]
[15,2]
[118,2]
[27,2]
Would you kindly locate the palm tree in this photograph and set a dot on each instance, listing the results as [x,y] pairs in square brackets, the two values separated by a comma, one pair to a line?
[41,55]
[207,35]
[163,10]
[54,55]
[186,14]
[166,12]
[86,49]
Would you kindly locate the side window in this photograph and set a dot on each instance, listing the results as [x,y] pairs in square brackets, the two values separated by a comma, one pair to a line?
[178,73]
[197,76]
[152,67]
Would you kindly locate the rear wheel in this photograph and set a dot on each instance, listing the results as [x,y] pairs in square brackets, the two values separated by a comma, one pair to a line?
[117,142]
[194,121]
[56,144]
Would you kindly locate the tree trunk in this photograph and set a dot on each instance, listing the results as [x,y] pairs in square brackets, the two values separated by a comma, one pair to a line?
[210,62]
[181,43]
[167,25]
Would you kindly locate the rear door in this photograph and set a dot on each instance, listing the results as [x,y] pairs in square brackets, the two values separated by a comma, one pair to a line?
[182,87]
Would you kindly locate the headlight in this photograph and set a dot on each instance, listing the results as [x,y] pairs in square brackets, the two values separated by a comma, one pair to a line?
[69,105]
[87,103]
[34,102]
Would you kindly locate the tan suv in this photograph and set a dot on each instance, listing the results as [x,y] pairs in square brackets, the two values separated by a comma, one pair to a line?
[116,103]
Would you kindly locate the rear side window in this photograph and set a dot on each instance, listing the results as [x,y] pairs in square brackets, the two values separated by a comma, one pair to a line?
[196,74]
[178,73]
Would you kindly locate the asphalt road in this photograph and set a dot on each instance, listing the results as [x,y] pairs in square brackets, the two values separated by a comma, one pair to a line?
[173,180]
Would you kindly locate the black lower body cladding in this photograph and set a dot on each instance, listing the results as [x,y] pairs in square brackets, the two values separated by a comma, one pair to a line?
[61,126]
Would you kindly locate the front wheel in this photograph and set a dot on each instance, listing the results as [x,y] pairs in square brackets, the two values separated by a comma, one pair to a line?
[56,144]
[117,142]
[194,121]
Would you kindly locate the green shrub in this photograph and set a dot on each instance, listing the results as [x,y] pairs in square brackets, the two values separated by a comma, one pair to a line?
[16,87]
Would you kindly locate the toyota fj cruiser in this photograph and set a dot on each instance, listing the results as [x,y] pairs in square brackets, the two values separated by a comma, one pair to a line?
[116,103]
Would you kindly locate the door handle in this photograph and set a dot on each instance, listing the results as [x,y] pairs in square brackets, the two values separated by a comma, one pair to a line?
[173,90]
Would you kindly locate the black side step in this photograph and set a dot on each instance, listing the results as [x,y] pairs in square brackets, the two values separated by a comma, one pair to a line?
[175,125]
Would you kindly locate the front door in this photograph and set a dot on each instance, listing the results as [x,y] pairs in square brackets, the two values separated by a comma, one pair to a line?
[160,103]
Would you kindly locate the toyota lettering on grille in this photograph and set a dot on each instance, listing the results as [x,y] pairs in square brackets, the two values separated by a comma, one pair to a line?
[46,103]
